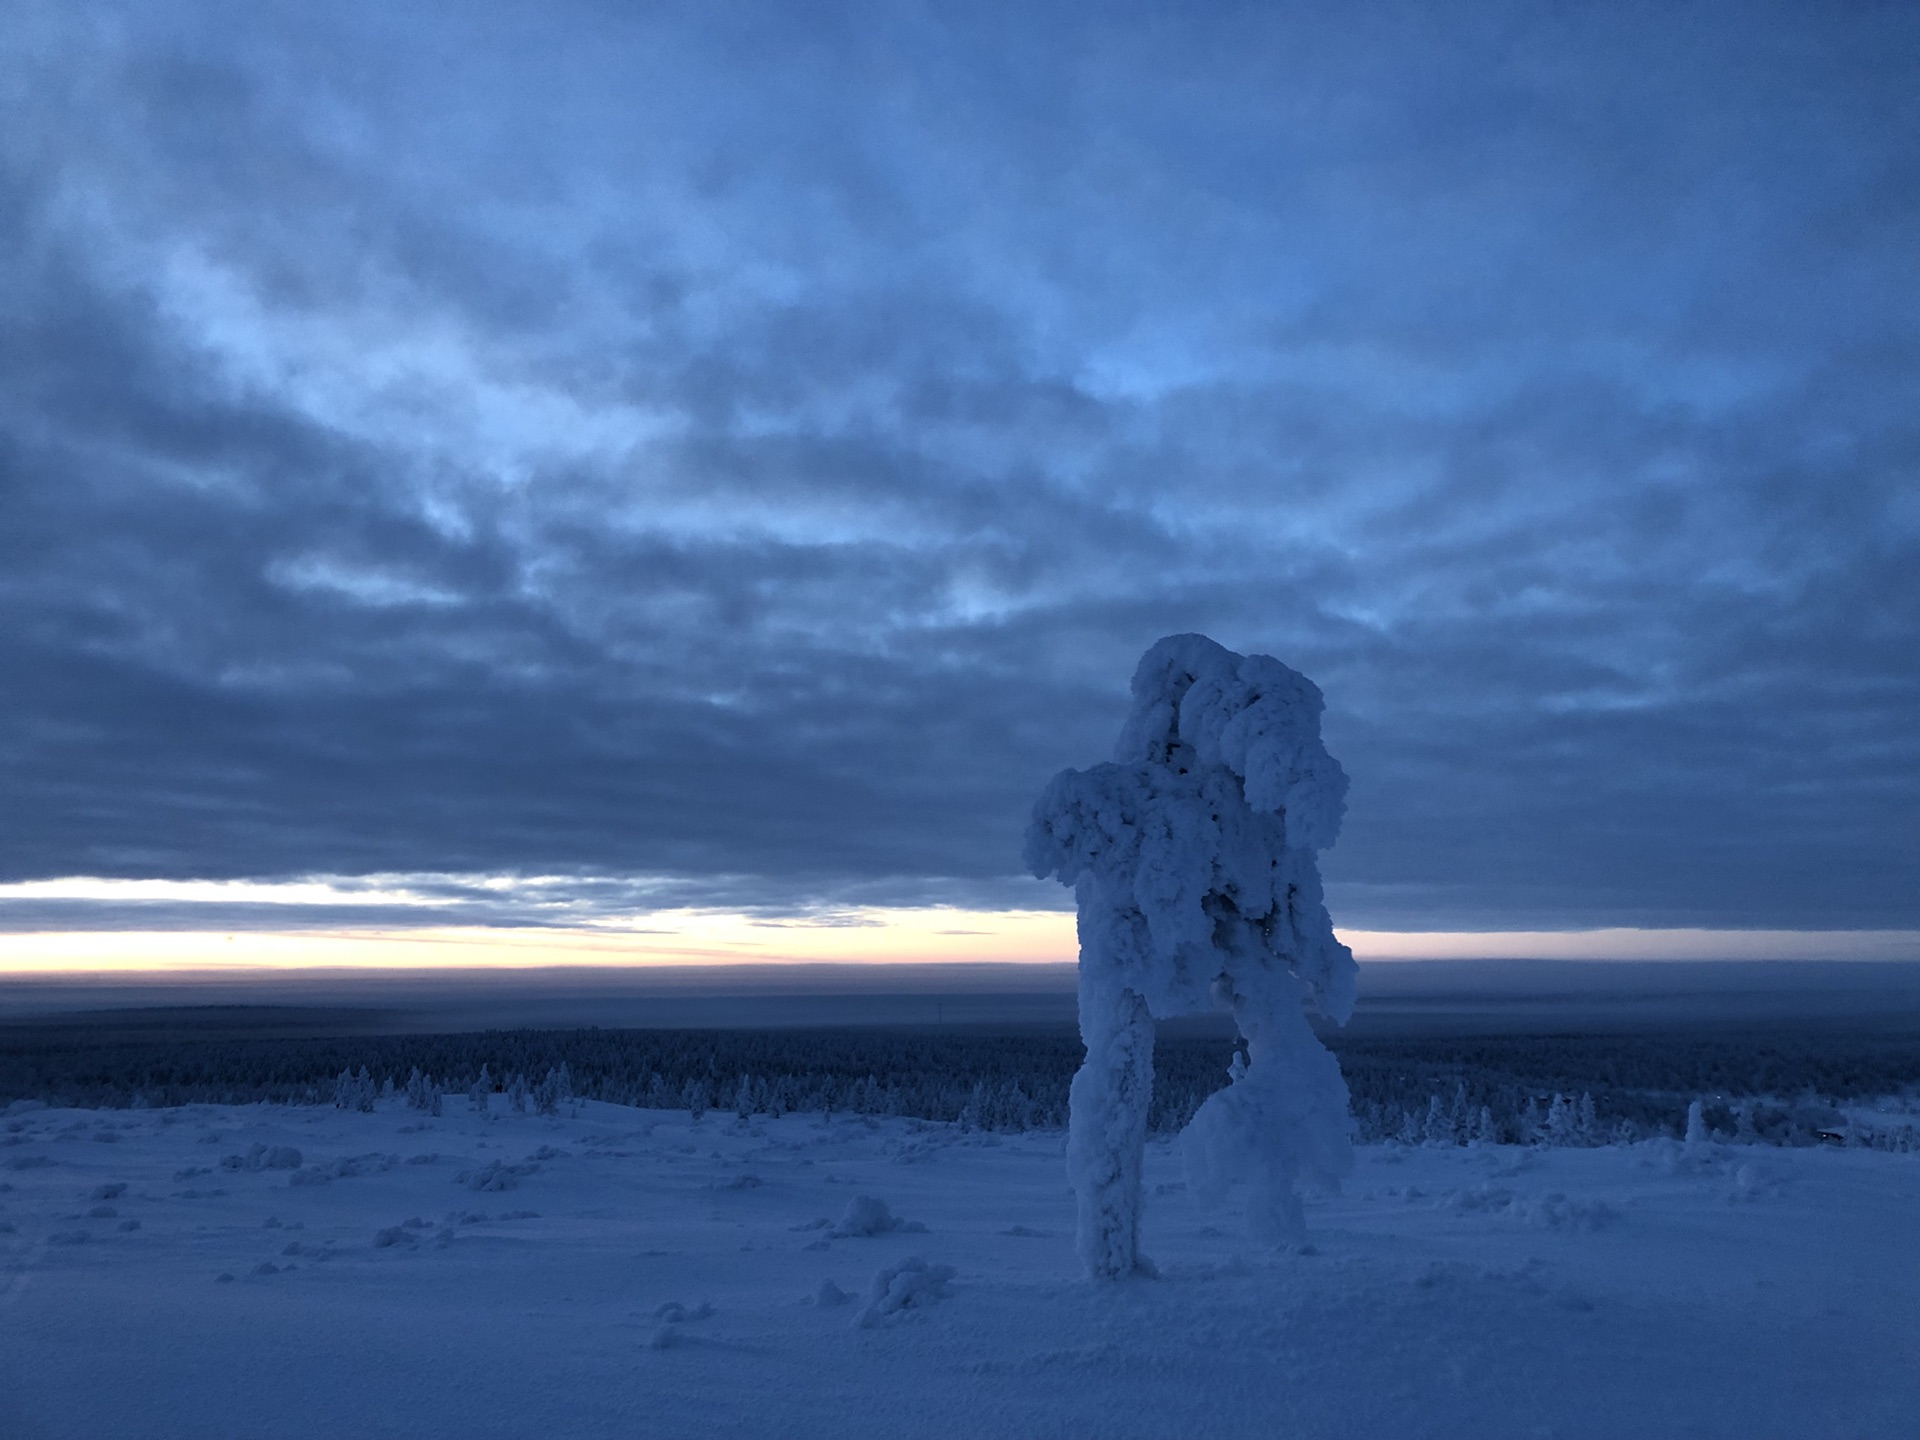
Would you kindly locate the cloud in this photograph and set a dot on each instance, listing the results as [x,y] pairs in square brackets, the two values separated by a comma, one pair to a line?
[748,458]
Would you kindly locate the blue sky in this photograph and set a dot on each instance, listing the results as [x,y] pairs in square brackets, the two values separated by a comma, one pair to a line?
[727,456]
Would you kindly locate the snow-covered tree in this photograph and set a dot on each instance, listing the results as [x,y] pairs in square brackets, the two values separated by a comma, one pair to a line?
[1485,1132]
[973,1115]
[1696,1123]
[550,1092]
[355,1092]
[1562,1118]
[1532,1125]
[1193,859]
[480,1094]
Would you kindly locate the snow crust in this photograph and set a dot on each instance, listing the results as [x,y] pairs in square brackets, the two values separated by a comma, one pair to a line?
[1193,857]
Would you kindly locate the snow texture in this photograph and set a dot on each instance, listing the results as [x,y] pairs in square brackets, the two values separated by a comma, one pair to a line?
[1193,858]
[1724,1291]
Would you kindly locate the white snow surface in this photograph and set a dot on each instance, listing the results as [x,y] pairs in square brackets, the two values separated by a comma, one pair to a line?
[648,1274]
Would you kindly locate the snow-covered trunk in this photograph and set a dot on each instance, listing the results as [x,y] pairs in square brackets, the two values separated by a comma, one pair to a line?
[1107,1124]
[1283,1120]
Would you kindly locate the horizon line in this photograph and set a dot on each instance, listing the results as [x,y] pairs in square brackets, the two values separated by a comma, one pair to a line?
[929,936]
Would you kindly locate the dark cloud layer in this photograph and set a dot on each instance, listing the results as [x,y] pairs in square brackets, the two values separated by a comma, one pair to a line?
[746,448]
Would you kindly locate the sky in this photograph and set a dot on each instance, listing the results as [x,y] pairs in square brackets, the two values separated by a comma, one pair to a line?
[584,467]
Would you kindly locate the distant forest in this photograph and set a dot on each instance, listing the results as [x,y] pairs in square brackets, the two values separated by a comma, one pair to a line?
[1585,1089]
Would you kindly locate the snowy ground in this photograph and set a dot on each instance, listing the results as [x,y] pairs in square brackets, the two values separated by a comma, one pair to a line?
[647,1275]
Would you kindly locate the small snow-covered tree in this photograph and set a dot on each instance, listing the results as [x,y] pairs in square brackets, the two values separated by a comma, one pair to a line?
[1438,1129]
[480,1093]
[1696,1123]
[355,1092]
[1193,859]
[973,1115]
[1532,1125]
[548,1094]
[1562,1121]
[1485,1132]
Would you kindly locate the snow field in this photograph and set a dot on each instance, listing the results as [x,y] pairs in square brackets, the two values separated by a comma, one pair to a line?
[629,1272]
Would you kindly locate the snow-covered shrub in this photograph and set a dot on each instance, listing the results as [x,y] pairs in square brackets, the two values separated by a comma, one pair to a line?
[480,1093]
[1193,859]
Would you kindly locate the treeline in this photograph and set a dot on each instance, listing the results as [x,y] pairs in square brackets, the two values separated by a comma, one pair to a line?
[1566,1090]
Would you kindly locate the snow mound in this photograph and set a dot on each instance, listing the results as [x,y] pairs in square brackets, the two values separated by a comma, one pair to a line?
[672,1316]
[911,1284]
[1752,1182]
[866,1216]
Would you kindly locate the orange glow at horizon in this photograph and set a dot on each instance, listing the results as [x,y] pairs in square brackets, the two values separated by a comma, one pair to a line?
[931,935]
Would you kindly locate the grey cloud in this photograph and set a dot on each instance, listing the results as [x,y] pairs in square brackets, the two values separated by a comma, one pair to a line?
[752,461]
